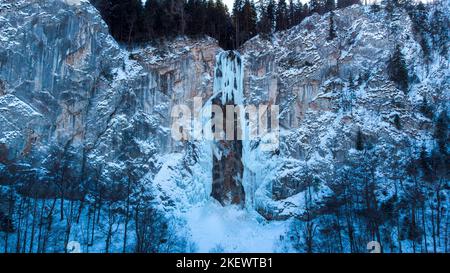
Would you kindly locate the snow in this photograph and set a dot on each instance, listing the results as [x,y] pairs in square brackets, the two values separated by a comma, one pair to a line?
[228,77]
[214,228]
[230,229]
[75,2]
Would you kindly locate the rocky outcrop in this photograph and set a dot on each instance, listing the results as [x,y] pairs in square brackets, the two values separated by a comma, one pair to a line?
[328,89]
[70,94]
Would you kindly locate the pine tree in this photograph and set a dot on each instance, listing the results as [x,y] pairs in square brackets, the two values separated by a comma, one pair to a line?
[359,143]
[441,132]
[421,28]
[281,21]
[170,15]
[291,13]
[300,12]
[439,30]
[348,95]
[397,122]
[245,21]
[224,25]
[151,19]
[346,3]
[397,70]
[304,12]
[351,82]
[315,6]
[375,7]
[266,22]
[331,31]
[424,162]
[329,5]
[249,19]
[389,6]
[426,109]
[237,17]
[271,13]
[123,18]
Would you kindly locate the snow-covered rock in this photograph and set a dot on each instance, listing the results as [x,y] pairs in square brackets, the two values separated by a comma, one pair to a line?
[307,74]
[76,106]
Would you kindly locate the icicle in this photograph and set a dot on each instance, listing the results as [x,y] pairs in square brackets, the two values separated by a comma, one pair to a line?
[228,166]
[228,77]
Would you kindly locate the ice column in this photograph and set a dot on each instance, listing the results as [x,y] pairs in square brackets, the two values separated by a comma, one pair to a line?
[228,167]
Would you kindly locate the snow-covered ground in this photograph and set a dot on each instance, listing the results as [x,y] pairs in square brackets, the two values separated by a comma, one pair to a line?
[230,229]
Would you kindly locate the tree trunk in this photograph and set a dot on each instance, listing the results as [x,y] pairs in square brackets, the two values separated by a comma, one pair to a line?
[19,225]
[433,230]
[424,227]
[41,219]
[33,229]
[127,213]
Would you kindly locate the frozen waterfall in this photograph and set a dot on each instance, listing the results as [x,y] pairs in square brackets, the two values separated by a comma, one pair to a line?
[228,167]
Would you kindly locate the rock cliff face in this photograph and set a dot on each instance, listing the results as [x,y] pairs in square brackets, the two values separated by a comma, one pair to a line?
[70,93]
[80,113]
[328,89]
